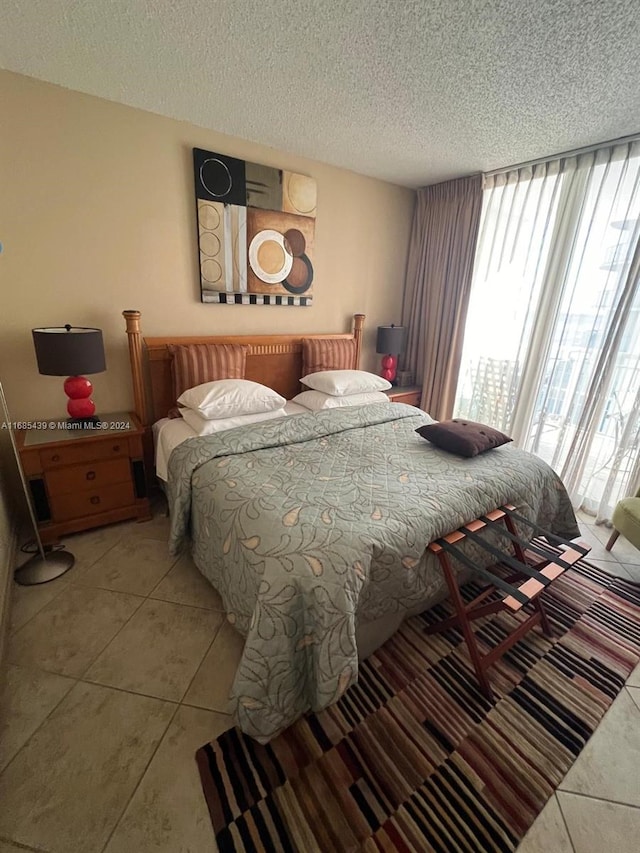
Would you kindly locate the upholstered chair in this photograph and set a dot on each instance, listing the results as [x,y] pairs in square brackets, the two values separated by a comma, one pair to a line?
[626,520]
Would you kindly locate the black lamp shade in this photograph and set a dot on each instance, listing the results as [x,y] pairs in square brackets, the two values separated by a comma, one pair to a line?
[391,339]
[69,351]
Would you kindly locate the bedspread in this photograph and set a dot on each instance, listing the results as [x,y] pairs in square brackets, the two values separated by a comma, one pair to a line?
[309,525]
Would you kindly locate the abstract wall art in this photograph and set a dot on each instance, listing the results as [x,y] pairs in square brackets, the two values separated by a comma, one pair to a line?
[256,229]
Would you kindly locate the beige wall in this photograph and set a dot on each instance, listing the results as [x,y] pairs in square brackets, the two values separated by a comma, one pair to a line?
[98,215]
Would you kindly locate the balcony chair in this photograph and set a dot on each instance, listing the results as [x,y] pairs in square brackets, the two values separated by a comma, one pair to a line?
[626,520]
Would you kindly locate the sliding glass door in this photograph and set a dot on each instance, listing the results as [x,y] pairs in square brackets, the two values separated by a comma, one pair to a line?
[552,343]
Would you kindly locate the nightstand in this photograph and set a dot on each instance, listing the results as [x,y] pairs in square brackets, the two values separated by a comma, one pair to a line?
[409,395]
[82,478]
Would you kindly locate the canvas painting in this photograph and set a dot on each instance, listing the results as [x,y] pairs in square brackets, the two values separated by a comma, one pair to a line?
[256,228]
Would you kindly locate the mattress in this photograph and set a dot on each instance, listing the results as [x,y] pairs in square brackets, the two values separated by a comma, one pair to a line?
[168,433]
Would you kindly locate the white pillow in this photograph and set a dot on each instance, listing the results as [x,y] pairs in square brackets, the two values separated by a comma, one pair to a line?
[207,426]
[338,383]
[230,398]
[318,400]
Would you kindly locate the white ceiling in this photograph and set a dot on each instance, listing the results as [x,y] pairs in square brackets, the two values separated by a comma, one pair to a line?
[411,91]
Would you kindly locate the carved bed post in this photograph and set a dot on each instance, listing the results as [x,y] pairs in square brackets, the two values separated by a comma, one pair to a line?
[358,324]
[135,357]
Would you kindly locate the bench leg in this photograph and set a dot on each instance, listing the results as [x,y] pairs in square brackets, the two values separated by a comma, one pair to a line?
[465,625]
[547,630]
[612,540]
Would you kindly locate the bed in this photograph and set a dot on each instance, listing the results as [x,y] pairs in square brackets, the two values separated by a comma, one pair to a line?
[313,528]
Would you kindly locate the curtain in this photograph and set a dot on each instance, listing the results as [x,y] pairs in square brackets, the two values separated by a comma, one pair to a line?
[436,297]
[552,342]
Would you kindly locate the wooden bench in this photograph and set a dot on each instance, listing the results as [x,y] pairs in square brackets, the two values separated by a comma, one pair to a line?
[534,563]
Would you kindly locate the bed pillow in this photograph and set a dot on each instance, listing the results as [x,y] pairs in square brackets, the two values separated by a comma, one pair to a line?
[230,398]
[339,383]
[194,364]
[318,400]
[465,438]
[328,354]
[206,426]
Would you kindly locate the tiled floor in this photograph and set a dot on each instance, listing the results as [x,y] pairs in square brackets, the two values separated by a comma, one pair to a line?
[120,669]
[596,808]
[117,672]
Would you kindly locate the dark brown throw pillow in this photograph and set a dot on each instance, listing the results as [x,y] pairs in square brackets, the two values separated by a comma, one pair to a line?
[465,438]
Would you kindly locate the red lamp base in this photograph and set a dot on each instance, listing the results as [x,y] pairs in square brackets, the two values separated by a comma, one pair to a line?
[389,365]
[80,406]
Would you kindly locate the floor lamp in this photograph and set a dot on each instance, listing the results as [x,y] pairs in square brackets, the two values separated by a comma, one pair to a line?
[48,563]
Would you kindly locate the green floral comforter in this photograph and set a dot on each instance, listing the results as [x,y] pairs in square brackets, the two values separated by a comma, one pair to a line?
[311,524]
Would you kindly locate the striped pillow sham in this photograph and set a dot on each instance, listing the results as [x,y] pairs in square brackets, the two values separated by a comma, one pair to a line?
[194,364]
[320,354]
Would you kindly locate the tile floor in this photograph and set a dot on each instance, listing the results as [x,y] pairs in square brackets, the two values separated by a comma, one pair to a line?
[118,671]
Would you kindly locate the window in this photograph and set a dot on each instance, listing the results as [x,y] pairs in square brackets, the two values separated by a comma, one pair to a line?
[552,342]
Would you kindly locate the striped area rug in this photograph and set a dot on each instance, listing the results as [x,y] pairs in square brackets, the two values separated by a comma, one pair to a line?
[413,757]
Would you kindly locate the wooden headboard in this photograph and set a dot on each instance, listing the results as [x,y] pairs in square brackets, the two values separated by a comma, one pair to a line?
[273,360]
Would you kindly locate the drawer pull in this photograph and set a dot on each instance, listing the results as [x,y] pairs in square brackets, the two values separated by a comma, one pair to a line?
[94,499]
[91,475]
[55,458]
[116,448]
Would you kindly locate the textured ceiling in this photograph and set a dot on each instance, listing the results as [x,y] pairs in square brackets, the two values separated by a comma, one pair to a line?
[411,91]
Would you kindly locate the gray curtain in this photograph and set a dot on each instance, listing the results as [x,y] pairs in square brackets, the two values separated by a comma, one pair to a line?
[437,287]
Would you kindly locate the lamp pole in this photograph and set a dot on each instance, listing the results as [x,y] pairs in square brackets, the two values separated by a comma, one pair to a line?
[46,564]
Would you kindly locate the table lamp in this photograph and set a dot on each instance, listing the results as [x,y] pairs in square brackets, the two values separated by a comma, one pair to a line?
[72,351]
[391,340]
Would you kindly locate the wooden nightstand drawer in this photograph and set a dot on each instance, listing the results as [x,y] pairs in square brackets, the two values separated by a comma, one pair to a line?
[84,478]
[93,475]
[91,502]
[410,396]
[86,452]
